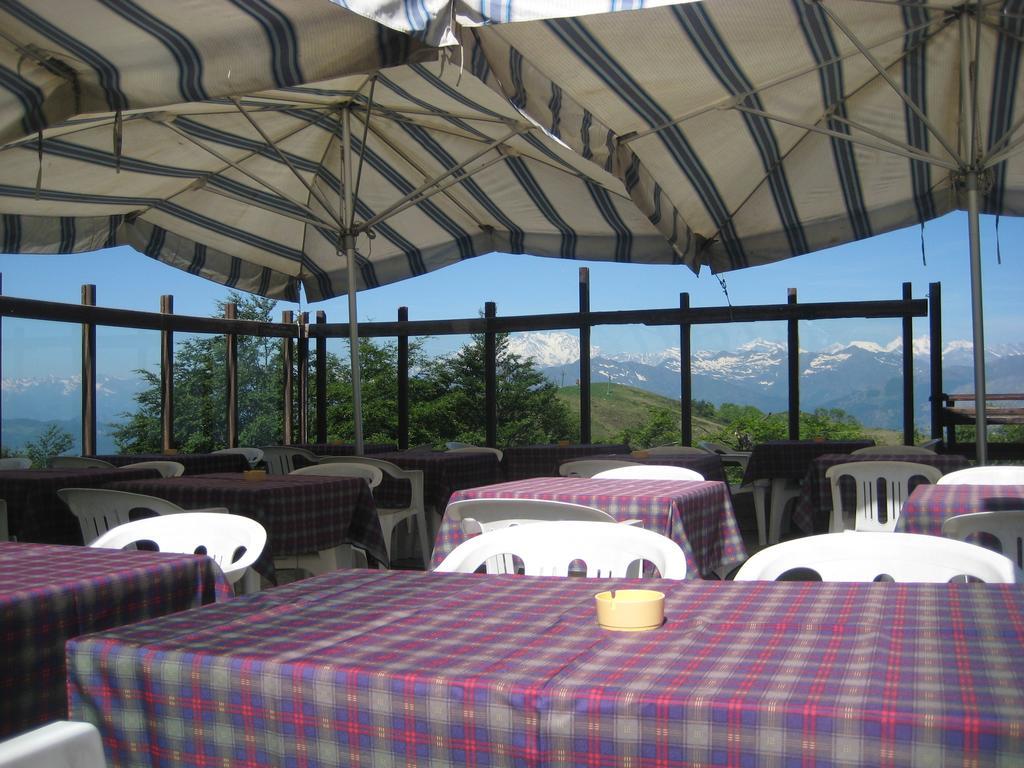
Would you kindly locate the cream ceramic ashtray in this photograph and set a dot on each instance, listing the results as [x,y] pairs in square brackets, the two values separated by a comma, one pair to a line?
[255,474]
[630,610]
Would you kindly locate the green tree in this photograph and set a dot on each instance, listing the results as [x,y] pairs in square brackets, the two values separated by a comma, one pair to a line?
[660,428]
[53,442]
[200,391]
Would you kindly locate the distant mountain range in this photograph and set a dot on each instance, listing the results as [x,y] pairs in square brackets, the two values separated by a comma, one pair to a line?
[862,378]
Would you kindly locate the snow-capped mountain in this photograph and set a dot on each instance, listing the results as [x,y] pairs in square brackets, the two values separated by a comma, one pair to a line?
[863,378]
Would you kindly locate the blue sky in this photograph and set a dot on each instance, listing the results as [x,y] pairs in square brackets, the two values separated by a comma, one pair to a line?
[867,270]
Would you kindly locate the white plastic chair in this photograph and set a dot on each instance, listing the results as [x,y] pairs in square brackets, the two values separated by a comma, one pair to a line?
[853,556]
[253,455]
[165,468]
[100,509]
[590,467]
[1006,525]
[882,486]
[550,548]
[77,462]
[220,535]
[371,474]
[390,517]
[61,744]
[984,476]
[650,472]
[894,450]
[481,515]
[476,449]
[16,462]
[280,459]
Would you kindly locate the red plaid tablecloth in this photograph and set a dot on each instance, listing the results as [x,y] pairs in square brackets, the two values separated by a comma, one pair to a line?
[521,462]
[814,507]
[791,458]
[49,594]
[369,668]
[302,513]
[194,463]
[698,516]
[708,464]
[930,505]
[36,513]
[347,449]
[443,474]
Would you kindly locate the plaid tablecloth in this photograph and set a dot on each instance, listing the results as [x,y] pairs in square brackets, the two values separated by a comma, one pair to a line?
[194,463]
[930,505]
[708,464]
[525,461]
[365,668]
[791,458]
[698,516]
[443,474]
[49,594]
[302,513]
[347,449]
[36,513]
[814,507]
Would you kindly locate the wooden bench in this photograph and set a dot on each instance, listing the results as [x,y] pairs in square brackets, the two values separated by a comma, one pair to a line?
[954,414]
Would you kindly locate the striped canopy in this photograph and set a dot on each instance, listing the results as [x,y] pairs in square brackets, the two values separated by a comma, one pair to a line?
[61,58]
[248,191]
[762,129]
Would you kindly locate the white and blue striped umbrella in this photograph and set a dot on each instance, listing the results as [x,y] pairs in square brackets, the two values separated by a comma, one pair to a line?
[62,58]
[763,128]
[247,191]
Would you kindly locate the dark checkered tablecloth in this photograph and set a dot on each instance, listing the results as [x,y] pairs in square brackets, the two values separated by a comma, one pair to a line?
[194,463]
[302,513]
[707,464]
[930,505]
[443,474]
[347,449]
[36,513]
[698,516]
[49,594]
[791,458]
[814,507]
[367,668]
[525,461]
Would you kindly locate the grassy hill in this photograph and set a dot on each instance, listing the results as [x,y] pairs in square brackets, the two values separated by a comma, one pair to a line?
[615,407]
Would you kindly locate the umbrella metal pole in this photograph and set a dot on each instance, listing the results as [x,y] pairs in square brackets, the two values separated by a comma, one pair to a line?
[977,318]
[350,252]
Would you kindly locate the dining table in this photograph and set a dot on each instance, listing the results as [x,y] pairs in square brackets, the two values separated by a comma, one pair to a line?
[521,462]
[194,463]
[444,472]
[928,506]
[302,513]
[52,593]
[346,449]
[369,668]
[696,515]
[813,508]
[34,510]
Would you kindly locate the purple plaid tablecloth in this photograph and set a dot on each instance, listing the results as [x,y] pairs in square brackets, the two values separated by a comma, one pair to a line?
[49,594]
[443,474]
[36,513]
[347,449]
[791,458]
[194,463]
[525,461]
[929,505]
[708,464]
[814,507]
[369,668]
[698,516]
[302,513]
